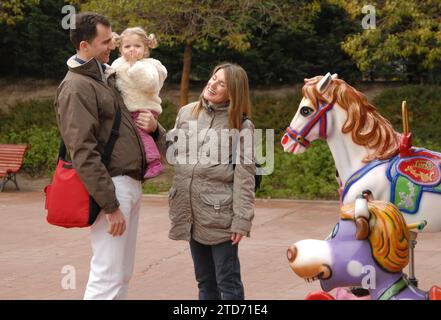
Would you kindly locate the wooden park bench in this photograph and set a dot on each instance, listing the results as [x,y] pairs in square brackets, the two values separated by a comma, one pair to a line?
[11,161]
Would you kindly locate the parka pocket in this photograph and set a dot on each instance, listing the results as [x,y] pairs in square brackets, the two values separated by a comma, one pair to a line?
[218,210]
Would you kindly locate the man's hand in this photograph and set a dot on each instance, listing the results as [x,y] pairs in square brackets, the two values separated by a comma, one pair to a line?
[147,121]
[117,223]
[236,237]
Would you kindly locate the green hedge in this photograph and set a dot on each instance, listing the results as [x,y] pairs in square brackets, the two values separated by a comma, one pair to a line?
[310,175]
[42,156]
[424,103]
[273,112]
[307,176]
[33,122]
[23,115]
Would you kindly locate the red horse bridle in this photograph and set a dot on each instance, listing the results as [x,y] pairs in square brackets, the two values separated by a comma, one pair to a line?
[300,137]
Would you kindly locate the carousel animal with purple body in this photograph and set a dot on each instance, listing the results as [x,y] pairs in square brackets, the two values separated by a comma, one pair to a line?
[368,247]
[366,150]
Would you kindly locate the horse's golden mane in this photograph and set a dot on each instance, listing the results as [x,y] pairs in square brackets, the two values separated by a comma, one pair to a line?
[388,235]
[367,126]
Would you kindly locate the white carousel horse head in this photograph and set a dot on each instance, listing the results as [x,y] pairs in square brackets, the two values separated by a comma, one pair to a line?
[308,115]
[325,95]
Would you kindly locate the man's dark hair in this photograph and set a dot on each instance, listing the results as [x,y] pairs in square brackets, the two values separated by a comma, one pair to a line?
[85,27]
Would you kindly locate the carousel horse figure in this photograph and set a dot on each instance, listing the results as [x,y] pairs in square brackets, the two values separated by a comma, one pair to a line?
[368,247]
[367,152]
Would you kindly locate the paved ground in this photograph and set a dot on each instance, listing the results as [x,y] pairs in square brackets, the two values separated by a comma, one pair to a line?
[33,253]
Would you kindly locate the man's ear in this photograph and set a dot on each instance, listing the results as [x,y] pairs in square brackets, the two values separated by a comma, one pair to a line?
[84,45]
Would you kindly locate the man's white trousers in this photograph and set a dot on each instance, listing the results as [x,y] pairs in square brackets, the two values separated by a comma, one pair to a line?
[113,258]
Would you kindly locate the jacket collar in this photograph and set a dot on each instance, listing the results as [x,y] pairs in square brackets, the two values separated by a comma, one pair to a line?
[91,68]
[215,107]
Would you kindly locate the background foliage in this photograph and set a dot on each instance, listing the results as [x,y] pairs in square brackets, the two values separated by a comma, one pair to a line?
[406,43]
[278,42]
[275,48]
[307,176]
[277,51]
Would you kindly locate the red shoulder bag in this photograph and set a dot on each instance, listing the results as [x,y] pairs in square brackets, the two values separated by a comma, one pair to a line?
[68,203]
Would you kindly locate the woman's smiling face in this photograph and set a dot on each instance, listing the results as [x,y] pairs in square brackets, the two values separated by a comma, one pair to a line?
[216,91]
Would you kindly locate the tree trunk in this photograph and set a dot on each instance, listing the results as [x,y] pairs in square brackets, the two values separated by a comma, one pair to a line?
[185,79]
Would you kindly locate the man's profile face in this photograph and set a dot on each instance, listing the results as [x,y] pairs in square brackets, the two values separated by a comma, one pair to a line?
[102,44]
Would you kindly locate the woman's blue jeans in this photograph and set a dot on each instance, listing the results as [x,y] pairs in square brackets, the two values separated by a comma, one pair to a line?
[217,270]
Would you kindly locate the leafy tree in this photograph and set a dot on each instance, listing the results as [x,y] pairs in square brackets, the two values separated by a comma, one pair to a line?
[11,11]
[199,23]
[36,45]
[406,39]
[283,55]
[283,45]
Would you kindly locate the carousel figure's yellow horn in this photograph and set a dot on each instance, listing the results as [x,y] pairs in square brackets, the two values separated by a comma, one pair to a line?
[417,225]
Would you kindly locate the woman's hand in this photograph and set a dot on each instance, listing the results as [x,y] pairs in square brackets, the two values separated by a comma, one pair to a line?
[236,237]
[147,121]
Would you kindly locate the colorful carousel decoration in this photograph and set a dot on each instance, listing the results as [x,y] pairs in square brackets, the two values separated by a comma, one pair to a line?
[375,161]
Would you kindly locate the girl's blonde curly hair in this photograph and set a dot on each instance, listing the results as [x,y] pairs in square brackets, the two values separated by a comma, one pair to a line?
[149,41]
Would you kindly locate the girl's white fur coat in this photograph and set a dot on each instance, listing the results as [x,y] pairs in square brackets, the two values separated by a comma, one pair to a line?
[140,84]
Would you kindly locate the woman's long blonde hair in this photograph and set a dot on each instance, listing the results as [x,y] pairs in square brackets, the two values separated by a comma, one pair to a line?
[236,81]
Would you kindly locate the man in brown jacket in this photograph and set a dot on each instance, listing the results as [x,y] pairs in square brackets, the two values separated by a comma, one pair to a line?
[86,104]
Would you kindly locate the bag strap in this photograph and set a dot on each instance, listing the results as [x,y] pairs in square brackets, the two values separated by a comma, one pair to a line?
[114,134]
[257,178]
[108,149]
[244,118]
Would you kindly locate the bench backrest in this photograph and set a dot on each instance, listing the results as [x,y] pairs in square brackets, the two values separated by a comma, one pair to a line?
[11,157]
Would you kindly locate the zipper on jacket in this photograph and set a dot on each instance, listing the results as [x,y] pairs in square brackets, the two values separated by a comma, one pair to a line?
[194,167]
